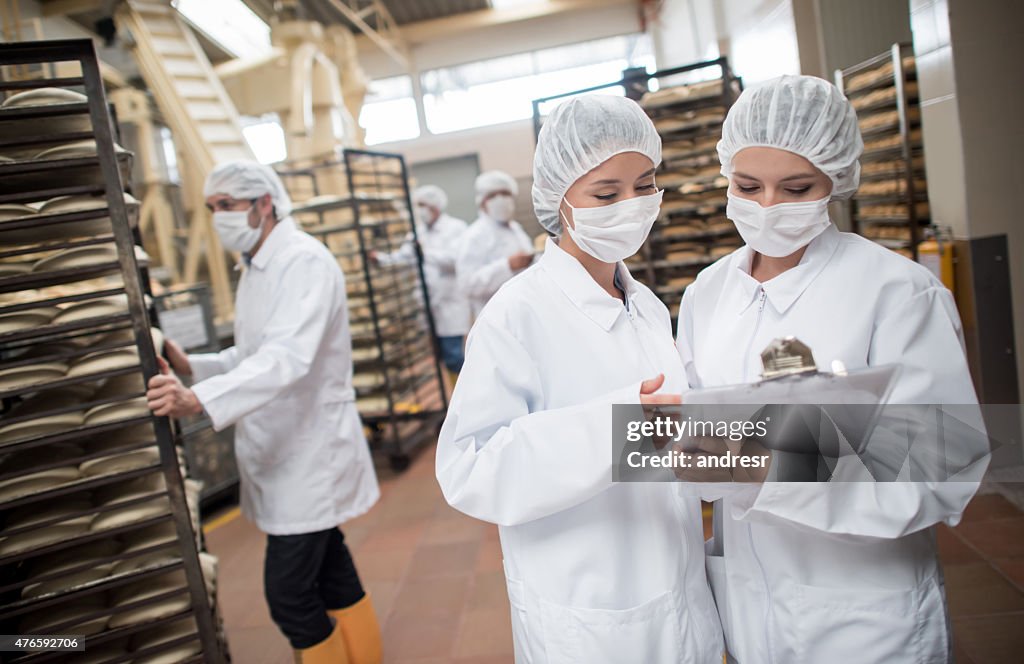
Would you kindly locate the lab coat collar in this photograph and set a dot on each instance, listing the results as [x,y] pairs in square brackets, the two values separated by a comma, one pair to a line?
[581,289]
[784,290]
[279,237]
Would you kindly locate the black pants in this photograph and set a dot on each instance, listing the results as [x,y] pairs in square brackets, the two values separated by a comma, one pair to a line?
[304,576]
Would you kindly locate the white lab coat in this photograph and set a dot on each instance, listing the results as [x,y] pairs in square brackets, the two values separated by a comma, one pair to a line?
[597,572]
[482,264]
[440,243]
[286,385]
[845,571]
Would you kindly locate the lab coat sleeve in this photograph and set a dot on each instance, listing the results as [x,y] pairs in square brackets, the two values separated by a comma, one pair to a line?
[404,255]
[303,309]
[684,338]
[502,459]
[443,259]
[206,365]
[480,279]
[923,335]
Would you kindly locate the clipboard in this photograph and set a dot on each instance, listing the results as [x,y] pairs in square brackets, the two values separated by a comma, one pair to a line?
[865,390]
[791,378]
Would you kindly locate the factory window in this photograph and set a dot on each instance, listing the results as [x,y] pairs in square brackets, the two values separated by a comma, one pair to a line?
[389,111]
[265,138]
[503,89]
[230,23]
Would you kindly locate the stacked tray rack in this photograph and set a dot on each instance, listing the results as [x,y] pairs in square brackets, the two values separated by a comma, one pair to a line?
[693,231]
[98,531]
[688,110]
[891,206]
[358,204]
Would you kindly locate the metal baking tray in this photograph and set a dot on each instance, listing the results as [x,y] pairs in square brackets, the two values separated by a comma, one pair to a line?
[30,176]
[113,635]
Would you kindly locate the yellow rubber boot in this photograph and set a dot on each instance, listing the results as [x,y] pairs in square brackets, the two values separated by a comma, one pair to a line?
[331,650]
[360,631]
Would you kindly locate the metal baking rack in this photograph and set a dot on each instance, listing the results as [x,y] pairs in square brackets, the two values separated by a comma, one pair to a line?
[357,204]
[688,107]
[31,455]
[892,204]
[186,315]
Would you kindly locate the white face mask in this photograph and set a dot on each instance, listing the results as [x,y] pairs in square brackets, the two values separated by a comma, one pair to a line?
[781,229]
[425,214]
[500,208]
[233,228]
[611,233]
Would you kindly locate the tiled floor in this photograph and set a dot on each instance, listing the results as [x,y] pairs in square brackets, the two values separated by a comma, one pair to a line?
[436,579]
[983,558]
[434,574]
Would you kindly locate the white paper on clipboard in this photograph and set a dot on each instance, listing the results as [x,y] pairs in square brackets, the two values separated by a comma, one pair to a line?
[863,387]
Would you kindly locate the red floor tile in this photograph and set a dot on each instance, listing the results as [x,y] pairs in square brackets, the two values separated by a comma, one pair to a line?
[989,506]
[978,589]
[489,557]
[444,559]
[995,538]
[434,596]
[410,636]
[996,639]
[486,632]
[1013,568]
[952,548]
[488,591]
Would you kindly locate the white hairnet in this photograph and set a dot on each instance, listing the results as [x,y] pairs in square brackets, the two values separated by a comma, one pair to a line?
[431,195]
[489,182]
[580,135]
[804,115]
[247,180]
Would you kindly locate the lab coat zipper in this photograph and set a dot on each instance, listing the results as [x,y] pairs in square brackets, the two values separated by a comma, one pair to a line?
[652,366]
[763,296]
[757,326]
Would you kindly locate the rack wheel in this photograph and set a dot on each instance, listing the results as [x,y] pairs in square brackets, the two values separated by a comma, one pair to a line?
[399,462]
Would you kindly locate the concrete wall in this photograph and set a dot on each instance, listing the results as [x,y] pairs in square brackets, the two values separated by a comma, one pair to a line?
[443,43]
[509,146]
[852,32]
[969,55]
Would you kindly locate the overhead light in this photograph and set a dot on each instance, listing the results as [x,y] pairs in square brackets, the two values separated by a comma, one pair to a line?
[505,4]
[231,23]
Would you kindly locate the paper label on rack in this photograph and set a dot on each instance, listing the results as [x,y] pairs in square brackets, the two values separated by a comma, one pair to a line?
[185,326]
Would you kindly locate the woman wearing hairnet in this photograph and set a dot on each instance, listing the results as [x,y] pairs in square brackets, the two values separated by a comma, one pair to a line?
[844,571]
[596,572]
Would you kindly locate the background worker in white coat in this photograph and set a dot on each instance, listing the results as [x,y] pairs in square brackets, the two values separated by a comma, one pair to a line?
[597,572]
[440,237]
[843,571]
[495,247]
[286,385]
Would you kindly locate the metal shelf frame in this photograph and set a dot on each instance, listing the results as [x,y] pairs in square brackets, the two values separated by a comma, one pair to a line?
[904,152]
[104,173]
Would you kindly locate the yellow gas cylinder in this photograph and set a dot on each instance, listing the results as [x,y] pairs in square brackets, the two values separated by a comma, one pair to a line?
[936,254]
